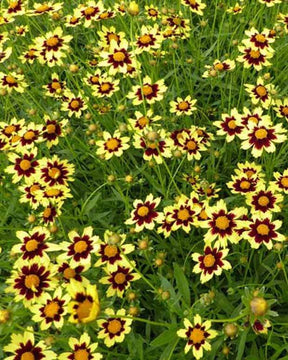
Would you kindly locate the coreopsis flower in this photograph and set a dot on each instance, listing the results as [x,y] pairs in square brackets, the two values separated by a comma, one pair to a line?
[230,125]
[219,67]
[29,191]
[197,336]
[82,349]
[281,181]
[31,280]
[156,145]
[283,19]
[261,93]
[182,214]
[23,347]
[84,306]
[117,58]
[34,243]
[80,247]
[107,35]
[149,90]
[12,81]
[10,129]
[24,165]
[249,170]
[183,106]
[112,145]
[52,47]
[253,116]
[236,9]
[50,213]
[281,108]
[254,57]
[210,263]
[261,327]
[259,40]
[262,136]
[55,171]
[190,144]
[149,39]
[222,224]
[144,214]
[5,53]
[141,121]
[52,195]
[205,189]
[113,329]
[242,184]
[90,11]
[55,87]
[74,19]
[16,8]
[30,55]
[21,30]
[264,200]
[270,3]
[111,250]
[196,6]
[53,130]
[73,104]
[119,280]
[68,272]
[106,87]
[29,136]
[152,12]
[262,230]
[44,8]
[51,310]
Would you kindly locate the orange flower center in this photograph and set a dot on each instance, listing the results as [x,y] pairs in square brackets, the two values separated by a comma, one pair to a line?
[10,79]
[51,309]
[114,326]
[143,211]
[285,110]
[15,138]
[147,90]
[110,250]
[31,52]
[75,104]
[89,11]
[145,39]
[255,54]
[29,135]
[263,201]
[284,181]
[191,145]
[34,188]
[84,309]
[31,281]
[105,87]
[183,214]
[261,134]
[219,67]
[80,246]
[260,38]
[13,4]
[192,2]
[119,56]
[209,260]
[27,356]
[249,173]
[54,173]
[9,129]
[47,212]
[69,273]
[197,336]
[112,144]
[232,124]
[120,278]
[245,185]
[95,79]
[262,229]
[177,21]
[222,222]
[81,354]
[203,215]
[25,165]
[261,90]
[31,245]
[51,128]
[113,36]
[253,119]
[52,41]
[55,85]
[143,121]
[42,8]
[183,105]
[52,192]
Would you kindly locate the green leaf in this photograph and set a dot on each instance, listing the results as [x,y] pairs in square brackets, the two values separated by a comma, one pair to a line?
[164,338]
[242,343]
[182,283]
